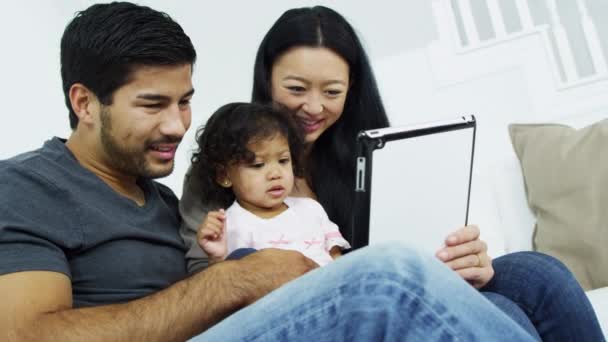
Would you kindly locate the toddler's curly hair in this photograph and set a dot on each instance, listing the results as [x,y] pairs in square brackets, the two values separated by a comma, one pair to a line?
[224,139]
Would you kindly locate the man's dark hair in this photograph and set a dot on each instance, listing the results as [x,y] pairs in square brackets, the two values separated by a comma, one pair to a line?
[224,141]
[103,44]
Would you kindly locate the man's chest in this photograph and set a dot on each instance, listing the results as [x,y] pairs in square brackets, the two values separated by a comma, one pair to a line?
[122,259]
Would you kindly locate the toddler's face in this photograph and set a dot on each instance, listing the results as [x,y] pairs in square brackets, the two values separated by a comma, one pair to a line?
[261,186]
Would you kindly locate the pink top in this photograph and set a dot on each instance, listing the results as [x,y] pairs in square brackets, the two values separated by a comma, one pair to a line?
[303,227]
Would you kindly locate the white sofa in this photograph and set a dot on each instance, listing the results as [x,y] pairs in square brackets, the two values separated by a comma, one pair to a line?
[500,208]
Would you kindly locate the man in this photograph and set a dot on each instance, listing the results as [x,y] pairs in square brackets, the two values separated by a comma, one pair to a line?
[89,244]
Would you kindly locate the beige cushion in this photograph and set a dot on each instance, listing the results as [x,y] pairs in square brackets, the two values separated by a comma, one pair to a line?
[566,177]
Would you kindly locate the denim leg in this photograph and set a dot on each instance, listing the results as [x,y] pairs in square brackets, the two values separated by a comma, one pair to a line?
[240,253]
[549,295]
[382,293]
[512,310]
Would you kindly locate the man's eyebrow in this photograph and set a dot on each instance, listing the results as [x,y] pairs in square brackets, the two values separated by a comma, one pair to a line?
[158,97]
[153,97]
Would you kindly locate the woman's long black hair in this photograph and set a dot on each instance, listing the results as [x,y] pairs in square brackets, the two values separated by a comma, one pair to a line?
[332,159]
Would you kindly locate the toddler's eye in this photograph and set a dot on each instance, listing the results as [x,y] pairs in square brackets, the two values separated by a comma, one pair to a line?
[296,89]
[256,165]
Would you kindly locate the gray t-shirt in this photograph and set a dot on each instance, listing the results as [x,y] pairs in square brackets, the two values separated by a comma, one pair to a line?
[57,216]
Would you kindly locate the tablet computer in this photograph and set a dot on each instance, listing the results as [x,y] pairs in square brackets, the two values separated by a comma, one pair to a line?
[413,182]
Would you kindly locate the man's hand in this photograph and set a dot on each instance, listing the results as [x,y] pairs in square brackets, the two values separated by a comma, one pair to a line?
[211,236]
[268,269]
[466,254]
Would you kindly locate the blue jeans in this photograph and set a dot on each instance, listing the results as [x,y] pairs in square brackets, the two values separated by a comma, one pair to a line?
[381,293]
[240,253]
[542,295]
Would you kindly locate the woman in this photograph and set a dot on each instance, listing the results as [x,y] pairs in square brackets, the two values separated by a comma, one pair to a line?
[312,62]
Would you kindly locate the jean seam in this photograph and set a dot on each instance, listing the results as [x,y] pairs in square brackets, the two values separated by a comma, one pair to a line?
[396,282]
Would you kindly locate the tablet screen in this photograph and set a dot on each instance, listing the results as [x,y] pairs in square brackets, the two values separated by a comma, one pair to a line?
[419,188]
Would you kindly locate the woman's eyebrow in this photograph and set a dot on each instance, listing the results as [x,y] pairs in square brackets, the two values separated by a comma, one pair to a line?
[296,78]
[334,82]
[302,79]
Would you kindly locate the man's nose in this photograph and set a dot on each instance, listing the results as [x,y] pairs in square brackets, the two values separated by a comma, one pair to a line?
[175,122]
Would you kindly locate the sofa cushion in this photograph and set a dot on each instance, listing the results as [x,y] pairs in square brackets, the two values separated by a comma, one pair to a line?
[566,178]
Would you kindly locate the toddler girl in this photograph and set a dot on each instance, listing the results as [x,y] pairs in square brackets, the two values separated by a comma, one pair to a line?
[247,157]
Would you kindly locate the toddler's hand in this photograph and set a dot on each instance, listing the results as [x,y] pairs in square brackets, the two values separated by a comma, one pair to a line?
[211,236]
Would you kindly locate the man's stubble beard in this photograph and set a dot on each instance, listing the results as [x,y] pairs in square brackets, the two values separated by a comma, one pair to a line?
[131,161]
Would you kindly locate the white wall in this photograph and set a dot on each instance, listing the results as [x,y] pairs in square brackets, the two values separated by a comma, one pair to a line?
[225,33]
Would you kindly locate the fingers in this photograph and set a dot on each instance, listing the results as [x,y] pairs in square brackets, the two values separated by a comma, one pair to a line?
[472,260]
[462,235]
[219,215]
[478,277]
[466,254]
[209,234]
[212,229]
[213,226]
[467,261]
[458,251]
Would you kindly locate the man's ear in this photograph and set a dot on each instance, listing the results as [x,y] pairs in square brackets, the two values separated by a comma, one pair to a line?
[84,103]
[222,177]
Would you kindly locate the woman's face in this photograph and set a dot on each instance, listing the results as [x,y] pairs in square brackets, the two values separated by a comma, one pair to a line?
[313,82]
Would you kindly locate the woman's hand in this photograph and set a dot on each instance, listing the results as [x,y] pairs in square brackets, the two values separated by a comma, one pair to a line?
[211,236]
[466,254]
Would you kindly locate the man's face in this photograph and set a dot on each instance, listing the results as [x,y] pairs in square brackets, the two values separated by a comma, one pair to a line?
[141,129]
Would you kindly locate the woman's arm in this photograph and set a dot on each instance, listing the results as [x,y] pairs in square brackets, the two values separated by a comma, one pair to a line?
[193,212]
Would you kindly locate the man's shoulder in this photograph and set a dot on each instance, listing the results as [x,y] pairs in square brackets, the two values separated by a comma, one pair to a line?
[36,166]
[33,200]
[23,167]
[21,160]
